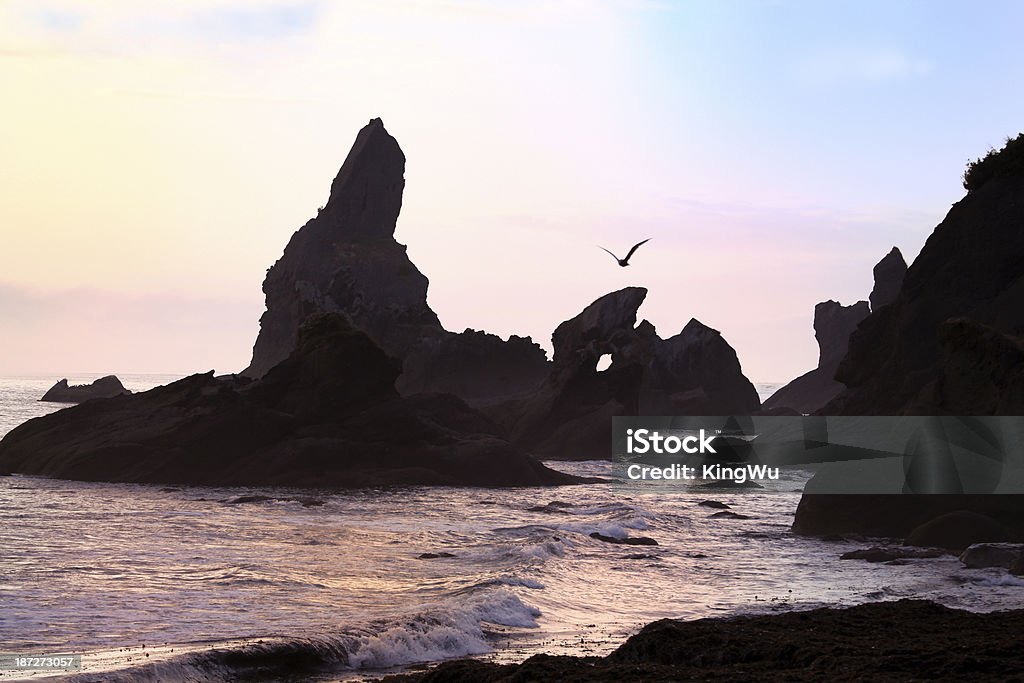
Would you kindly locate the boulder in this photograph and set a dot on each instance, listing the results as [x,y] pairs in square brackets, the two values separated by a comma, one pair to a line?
[1002,555]
[729,514]
[890,554]
[636,540]
[957,530]
[889,274]
[833,325]
[895,515]
[104,387]
[327,416]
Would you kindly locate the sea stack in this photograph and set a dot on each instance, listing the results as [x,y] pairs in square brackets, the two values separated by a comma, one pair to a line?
[104,387]
[833,325]
[326,416]
[695,372]
[346,260]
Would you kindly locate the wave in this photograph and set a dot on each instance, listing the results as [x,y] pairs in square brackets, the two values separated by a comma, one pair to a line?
[445,631]
[999,580]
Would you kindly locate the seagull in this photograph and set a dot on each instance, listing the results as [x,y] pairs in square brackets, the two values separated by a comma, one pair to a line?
[625,261]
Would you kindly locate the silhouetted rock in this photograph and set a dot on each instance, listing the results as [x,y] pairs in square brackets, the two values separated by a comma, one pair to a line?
[696,372]
[1002,555]
[971,267]
[895,515]
[889,274]
[693,373]
[478,367]
[636,540]
[347,261]
[957,530]
[947,344]
[888,554]
[570,415]
[833,325]
[104,387]
[981,371]
[715,504]
[885,641]
[326,416]
[729,514]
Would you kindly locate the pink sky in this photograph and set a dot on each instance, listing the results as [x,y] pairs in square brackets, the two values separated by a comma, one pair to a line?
[159,156]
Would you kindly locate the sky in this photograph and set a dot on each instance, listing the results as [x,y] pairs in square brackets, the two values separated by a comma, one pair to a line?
[156,157]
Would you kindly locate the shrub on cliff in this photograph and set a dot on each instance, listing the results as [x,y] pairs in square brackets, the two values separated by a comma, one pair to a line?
[996,164]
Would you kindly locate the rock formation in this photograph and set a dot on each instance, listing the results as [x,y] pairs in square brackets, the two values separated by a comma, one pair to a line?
[478,367]
[343,387]
[1003,555]
[104,387]
[981,370]
[889,274]
[833,325]
[972,266]
[328,415]
[346,260]
[695,373]
[947,344]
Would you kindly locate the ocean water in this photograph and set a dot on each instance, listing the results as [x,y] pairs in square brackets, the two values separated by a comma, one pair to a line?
[191,583]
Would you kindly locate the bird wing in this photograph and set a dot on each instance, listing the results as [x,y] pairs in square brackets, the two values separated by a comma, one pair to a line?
[635,247]
[613,255]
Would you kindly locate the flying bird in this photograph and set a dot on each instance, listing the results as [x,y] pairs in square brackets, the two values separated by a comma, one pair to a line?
[625,261]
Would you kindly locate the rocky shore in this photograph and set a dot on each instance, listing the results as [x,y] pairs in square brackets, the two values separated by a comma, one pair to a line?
[908,640]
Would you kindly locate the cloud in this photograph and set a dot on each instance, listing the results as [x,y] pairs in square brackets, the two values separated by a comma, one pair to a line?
[113,27]
[864,65]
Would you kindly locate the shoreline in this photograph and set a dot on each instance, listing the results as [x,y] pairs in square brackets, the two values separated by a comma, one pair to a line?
[897,640]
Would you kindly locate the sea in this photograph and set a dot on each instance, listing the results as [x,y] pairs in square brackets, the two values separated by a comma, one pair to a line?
[180,583]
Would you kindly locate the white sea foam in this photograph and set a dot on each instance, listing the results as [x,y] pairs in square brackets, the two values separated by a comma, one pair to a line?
[445,633]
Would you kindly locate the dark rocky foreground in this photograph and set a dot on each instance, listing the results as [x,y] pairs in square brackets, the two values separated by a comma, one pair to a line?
[328,415]
[889,641]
